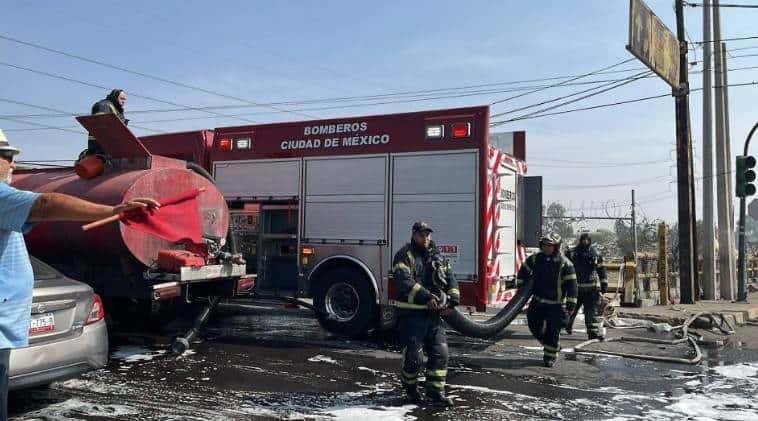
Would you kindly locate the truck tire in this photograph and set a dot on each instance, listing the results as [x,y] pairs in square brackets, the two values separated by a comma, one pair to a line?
[345,302]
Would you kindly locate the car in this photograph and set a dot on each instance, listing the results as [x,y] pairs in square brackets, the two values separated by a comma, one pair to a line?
[67,331]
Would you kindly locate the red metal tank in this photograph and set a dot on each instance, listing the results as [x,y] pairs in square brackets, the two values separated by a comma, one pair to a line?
[131,174]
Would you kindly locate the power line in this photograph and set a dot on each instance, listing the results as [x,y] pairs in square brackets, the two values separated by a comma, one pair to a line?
[92,85]
[611,104]
[560,97]
[41,107]
[603,186]
[145,75]
[552,107]
[562,83]
[728,39]
[356,98]
[723,5]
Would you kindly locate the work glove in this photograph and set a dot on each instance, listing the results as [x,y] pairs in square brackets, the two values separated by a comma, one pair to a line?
[453,300]
[603,286]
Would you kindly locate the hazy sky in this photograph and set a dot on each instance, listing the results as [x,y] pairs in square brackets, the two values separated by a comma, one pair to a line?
[279,51]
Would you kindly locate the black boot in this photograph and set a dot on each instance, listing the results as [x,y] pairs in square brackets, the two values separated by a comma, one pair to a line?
[438,398]
[412,394]
[592,335]
[549,362]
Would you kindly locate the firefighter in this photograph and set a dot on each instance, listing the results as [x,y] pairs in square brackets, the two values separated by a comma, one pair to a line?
[554,283]
[427,289]
[592,283]
[112,104]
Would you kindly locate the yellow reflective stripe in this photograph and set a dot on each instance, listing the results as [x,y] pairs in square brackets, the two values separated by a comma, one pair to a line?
[400,304]
[453,291]
[550,354]
[411,259]
[569,277]
[546,301]
[401,266]
[412,295]
[571,300]
[559,289]
[550,348]
[436,385]
[437,373]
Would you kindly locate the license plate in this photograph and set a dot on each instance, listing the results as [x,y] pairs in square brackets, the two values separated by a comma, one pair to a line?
[42,324]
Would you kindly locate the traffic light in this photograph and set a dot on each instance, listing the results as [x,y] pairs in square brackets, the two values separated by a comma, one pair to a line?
[745,176]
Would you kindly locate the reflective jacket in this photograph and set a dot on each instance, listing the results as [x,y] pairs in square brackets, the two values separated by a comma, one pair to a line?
[414,270]
[589,266]
[553,276]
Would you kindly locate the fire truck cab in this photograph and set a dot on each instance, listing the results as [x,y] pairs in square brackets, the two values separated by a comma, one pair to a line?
[319,208]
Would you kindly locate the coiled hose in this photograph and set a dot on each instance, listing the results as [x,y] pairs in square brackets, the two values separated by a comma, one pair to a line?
[496,323]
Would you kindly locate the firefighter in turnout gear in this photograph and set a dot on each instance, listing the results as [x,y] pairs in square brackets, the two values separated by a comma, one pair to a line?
[554,285]
[592,283]
[427,289]
[112,104]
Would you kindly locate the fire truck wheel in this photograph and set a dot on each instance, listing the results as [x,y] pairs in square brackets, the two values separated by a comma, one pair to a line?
[345,302]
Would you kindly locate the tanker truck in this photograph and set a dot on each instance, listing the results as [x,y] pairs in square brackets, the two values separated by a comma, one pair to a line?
[141,277]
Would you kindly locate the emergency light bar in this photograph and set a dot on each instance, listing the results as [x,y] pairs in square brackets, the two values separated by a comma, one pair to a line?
[225,144]
[435,132]
[461,130]
[243,143]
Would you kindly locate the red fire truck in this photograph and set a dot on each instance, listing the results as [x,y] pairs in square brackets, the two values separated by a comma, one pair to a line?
[320,207]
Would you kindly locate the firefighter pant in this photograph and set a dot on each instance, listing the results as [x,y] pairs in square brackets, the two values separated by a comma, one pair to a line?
[423,330]
[589,298]
[545,322]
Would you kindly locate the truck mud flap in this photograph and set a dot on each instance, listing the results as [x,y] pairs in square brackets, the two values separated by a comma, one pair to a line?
[496,323]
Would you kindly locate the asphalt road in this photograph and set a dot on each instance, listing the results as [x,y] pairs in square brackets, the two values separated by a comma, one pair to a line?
[267,362]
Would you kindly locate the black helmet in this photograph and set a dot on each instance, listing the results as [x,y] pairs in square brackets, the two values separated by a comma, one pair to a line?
[550,239]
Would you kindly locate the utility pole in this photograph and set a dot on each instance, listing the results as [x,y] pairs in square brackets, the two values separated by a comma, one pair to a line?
[723,188]
[709,270]
[727,138]
[634,253]
[685,179]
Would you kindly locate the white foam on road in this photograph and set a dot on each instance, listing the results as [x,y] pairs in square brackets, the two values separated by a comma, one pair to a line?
[74,409]
[715,401]
[381,413]
[747,371]
[132,354]
[322,359]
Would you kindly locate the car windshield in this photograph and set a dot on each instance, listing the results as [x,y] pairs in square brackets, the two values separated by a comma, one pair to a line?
[42,271]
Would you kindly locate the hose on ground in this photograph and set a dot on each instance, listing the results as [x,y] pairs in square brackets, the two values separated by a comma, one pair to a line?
[496,323]
[579,349]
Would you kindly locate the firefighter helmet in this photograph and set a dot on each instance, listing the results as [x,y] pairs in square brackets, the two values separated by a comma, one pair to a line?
[550,239]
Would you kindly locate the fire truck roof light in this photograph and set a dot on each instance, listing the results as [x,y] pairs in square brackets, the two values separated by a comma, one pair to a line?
[225,144]
[461,130]
[243,143]
[435,132]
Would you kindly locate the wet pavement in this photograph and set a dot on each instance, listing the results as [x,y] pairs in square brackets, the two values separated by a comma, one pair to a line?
[266,362]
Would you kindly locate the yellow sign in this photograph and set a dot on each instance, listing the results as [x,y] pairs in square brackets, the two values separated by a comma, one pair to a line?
[653,43]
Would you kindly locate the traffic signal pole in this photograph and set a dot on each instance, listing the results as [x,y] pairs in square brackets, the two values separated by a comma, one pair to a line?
[741,192]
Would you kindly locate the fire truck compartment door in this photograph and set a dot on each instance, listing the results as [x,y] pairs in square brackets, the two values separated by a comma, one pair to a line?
[262,179]
[346,198]
[440,189]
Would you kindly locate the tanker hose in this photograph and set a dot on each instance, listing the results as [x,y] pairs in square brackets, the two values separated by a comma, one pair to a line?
[204,173]
[496,323]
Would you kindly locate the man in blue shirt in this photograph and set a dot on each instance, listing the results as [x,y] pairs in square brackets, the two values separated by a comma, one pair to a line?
[18,208]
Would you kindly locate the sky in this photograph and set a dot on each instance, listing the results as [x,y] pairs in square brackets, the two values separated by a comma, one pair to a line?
[294,51]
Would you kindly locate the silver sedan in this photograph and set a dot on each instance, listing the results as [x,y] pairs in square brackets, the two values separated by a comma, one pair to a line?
[67,332]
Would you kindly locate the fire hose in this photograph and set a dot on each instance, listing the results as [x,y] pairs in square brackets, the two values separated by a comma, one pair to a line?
[685,337]
[496,323]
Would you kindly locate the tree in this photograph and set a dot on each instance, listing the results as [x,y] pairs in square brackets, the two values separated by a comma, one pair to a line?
[647,238]
[556,221]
